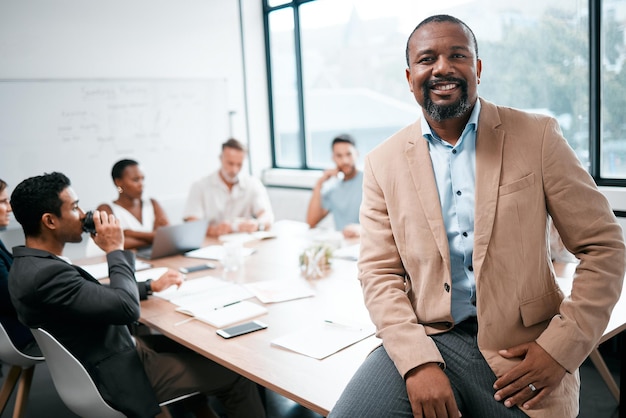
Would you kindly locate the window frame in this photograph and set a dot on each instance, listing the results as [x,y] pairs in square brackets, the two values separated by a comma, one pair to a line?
[595,89]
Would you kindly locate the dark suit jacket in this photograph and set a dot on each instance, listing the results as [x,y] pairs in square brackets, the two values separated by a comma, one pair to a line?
[19,334]
[89,319]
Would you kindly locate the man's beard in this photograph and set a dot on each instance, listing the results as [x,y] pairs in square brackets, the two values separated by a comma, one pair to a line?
[454,110]
[346,170]
[230,179]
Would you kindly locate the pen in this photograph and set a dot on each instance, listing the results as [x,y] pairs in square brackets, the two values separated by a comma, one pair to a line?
[200,267]
[228,304]
[346,326]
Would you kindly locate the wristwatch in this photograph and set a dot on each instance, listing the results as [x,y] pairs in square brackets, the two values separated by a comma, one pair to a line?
[148,287]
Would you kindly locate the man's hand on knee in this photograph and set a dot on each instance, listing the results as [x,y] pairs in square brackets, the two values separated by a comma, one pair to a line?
[430,392]
[529,382]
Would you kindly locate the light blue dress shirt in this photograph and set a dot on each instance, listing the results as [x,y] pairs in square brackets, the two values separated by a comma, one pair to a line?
[455,174]
[343,200]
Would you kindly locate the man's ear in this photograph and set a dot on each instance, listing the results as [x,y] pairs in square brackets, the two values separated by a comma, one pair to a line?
[48,220]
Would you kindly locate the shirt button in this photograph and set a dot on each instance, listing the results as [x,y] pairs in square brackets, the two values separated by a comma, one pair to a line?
[446,287]
[453,151]
[470,268]
[465,234]
[458,193]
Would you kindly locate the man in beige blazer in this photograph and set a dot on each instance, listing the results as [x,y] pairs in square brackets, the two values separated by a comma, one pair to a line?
[454,263]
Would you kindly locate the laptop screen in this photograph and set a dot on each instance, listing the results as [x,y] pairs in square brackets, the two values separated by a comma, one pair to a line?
[175,239]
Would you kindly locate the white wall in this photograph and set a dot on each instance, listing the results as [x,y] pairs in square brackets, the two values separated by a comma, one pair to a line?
[144,39]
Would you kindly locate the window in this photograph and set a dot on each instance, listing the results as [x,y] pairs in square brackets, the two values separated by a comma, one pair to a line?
[284,81]
[613,88]
[349,71]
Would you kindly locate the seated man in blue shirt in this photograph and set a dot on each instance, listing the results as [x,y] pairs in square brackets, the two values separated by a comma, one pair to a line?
[339,190]
[91,320]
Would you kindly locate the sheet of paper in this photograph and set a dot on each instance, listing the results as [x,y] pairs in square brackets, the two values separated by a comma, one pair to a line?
[324,339]
[214,252]
[350,252]
[236,237]
[224,316]
[205,292]
[280,290]
[141,265]
[98,271]
[152,274]
[260,235]
[245,237]
[101,270]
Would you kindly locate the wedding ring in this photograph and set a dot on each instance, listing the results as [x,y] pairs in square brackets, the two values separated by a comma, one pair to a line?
[532,387]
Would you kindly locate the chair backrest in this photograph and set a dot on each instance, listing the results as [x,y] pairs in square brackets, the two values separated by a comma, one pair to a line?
[71,380]
[9,354]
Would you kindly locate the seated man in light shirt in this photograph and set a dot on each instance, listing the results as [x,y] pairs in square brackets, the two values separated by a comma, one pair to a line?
[231,200]
[339,190]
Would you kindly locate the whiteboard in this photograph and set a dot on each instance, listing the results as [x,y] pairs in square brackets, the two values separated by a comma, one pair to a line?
[172,127]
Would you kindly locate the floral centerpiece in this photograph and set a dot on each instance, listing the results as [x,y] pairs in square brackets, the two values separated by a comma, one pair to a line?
[315,260]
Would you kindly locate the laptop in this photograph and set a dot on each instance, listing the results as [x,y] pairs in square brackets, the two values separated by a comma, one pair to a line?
[175,239]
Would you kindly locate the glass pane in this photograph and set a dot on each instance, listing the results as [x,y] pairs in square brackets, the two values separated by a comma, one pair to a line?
[284,89]
[613,141]
[538,60]
[353,73]
[535,57]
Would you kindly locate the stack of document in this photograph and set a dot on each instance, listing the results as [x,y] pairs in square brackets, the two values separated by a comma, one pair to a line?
[225,315]
[213,300]
[209,291]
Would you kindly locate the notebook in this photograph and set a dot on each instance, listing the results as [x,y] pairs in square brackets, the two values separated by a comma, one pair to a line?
[175,239]
[224,316]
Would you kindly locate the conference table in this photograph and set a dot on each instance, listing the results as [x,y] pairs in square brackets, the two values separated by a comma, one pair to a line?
[312,383]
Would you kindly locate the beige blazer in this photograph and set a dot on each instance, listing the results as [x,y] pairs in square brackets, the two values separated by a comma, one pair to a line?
[525,170]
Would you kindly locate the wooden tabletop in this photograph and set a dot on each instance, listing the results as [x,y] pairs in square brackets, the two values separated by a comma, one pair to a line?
[315,384]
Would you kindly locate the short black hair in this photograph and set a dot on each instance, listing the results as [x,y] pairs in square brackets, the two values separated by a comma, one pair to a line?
[118,168]
[440,19]
[35,196]
[235,144]
[343,139]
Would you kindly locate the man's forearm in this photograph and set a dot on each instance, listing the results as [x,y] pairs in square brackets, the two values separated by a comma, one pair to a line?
[315,212]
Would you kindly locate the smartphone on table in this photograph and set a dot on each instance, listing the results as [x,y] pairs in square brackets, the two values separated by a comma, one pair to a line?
[241,329]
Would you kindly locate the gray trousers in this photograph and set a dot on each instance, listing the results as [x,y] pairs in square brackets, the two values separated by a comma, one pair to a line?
[174,370]
[377,390]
